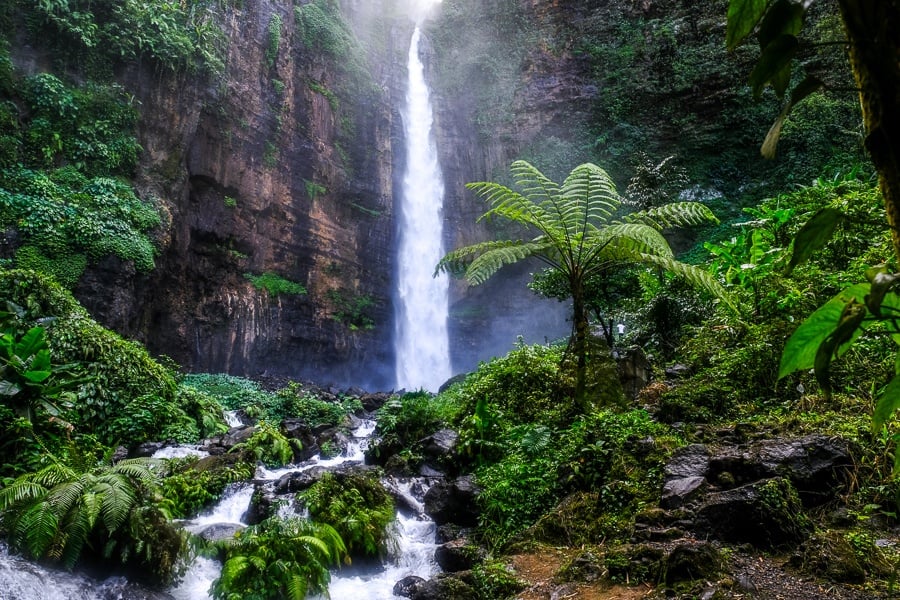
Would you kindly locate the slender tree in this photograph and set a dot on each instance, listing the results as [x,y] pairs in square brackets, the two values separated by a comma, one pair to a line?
[579,235]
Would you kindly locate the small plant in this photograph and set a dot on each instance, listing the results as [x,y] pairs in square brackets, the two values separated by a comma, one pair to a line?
[278,559]
[275,284]
[270,156]
[358,507]
[230,202]
[270,446]
[352,310]
[313,189]
[274,40]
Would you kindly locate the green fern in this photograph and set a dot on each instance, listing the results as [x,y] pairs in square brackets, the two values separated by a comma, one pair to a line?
[578,235]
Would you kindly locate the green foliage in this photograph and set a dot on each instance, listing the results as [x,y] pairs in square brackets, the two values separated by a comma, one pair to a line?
[275,284]
[62,511]
[493,579]
[579,236]
[538,466]
[29,381]
[323,29]
[187,488]
[278,559]
[352,310]
[237,393]
[357,506]
[313,410]
[274,32]
[66,269]
[114,372]
[269,446]
[402,421]
[177,36]
[313,189]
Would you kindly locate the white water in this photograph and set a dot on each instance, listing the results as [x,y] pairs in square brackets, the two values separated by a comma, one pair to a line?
[231,418]
[421,342]
[414,535]
[179,452]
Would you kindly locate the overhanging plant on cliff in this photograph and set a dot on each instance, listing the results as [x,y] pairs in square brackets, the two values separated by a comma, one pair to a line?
[580,235]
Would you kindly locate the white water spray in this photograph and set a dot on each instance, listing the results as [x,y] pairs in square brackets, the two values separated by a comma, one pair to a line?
[422,346]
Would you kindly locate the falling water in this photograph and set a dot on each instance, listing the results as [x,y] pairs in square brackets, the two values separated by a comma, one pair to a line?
[421,336]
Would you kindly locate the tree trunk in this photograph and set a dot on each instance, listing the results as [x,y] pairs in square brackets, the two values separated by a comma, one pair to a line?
[873,30]
[579,315]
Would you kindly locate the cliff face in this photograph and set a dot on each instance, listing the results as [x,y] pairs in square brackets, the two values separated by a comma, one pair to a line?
[273,168]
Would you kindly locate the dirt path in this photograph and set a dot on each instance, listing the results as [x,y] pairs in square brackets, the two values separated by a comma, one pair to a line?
[538,570]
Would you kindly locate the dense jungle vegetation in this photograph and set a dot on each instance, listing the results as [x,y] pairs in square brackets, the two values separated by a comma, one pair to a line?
[564,453]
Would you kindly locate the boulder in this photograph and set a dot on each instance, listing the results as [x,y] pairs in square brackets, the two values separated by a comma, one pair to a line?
[407,586]
[693,561]
[678,492]
[767,514]
[237,435]
[443,587]
[297,481]
[146,449]
[453,502]
[372,402]
[439,444]
[263,504]
[219,531]
[635,371]
[690,461]
[458,555]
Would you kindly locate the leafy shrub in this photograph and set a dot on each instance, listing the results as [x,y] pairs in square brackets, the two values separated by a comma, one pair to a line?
[116,372]
[187,488]
[269,446]
[278,559]
[404,420]
[357,506]
[67,270]
[312,410]
[238,393]
[60,512]
[275,284]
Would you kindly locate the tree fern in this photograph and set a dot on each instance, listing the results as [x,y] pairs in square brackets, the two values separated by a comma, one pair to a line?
[578,235]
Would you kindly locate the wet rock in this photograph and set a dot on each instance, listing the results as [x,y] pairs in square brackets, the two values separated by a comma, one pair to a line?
[297,481]
[678,492]
[219,531]
[263,504]
[458,555]
[767,514]
[816,465]
[453,502]
[296,429]
[677,371]
[450,531]
[693,561]
[443,587]
[634,371]
[117,588]
[439,444]
[372,402]
[407,586]
[237,435]
[146,449]
[120,454]
[685,475]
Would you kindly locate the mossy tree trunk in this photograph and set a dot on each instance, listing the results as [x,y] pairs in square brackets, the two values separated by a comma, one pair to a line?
[873,32]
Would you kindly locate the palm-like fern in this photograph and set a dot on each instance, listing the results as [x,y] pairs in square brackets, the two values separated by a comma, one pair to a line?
[53,513]
[579,235]
[279,558]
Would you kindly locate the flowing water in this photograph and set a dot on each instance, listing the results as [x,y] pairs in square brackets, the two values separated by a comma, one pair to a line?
[421,344]
[414,533]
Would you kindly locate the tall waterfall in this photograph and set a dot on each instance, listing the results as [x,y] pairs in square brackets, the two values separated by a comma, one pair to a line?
[421,343]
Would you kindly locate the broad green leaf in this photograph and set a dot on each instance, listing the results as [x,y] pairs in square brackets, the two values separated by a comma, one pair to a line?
[813,236]
[848,328]
[800,350]
[773,60]
[783,17]
[743,15]
[806,87]
[881,285]
[31,342]
[888,403]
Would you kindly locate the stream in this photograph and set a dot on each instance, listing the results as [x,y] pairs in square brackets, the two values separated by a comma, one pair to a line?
[415,534]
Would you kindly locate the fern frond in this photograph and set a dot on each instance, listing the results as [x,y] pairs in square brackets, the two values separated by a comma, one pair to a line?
[117,500]
[511,205]
[66,495]
[21,491]
[588,195]
[53,475]
[296,587]
[626,241]
[78,529]
[36,529]
[533,183]
[483,267]
[694,275]
[676,214]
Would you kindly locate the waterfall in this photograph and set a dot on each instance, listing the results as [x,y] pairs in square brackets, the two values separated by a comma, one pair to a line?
[421,342]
